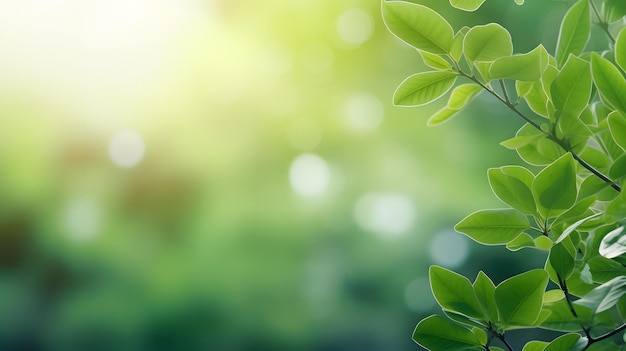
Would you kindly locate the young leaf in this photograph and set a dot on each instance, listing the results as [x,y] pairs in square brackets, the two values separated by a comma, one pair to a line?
[614,243]
[604,296]
[512,185]
[620,49]
[617,127]
[484,290]
[521,241]
[571,88]
[569,230]
[457,44]
[487,43]
[460,97]
[519,298]
[574,32]
[418,26]
[436,333]
[422,88]
[567,342]
[537,93]
[493,227]
[454,292]
[526,67]
[467,5]
[434,61]
[554,187]
[609,81]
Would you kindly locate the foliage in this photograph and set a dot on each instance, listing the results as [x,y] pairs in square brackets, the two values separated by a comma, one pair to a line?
[567,204]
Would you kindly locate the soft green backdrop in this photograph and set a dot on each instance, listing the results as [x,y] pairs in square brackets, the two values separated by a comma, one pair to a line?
[231,175]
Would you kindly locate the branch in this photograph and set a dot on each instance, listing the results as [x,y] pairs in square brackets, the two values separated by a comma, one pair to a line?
[605,336]
[506,343]
[552,137]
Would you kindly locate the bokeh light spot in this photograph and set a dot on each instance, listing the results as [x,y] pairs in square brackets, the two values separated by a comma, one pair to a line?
[275,60]
[82,219]
[449,249]
[317,57]
[355,26]
[417,295]
[364,112]
[126,148]
[387,214]
[309,175]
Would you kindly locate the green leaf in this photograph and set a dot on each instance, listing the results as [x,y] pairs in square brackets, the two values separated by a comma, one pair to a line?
[493,227]
[535,346]
[537,93]
[603,269]
[571,88]
[487,43]
[617,127]
[457,44]
[436,333]
[519,298]
[512,184]
[484,290]
[614,243]
[521,241]
[434,61]
[561,260]
[539,150]
[519,2]
[616,210]
[620,49]
[422,88]
[526,67]
[561,317]
[618,168]
[554,187]
[567,342]
[460,97]
[454,292]
[418,26]
[614,10]
[609,81]
[604,296]
[569,230]
[574,32]
[467,5]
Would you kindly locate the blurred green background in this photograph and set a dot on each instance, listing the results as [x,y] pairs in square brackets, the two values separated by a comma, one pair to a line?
[231,175]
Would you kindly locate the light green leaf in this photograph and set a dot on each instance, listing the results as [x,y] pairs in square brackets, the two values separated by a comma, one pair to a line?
[434,61]
[422,88]
[526,67]
[436,333]
[605,296]
[457,44]
[553,296]
[561,260]
[569,230]
[535,346]
[520,242]
[554,187]
[519,2]
[512,184]
[574,32]
[460,97]
[454,292]
[618,168]
[567,342]
[571,88]
[484,290]
[493,227]
[537,93]
[467,5]
[418,26]
[617,127]
[609,81]
[487,43]
[614,243]
[519,298]
[620,49]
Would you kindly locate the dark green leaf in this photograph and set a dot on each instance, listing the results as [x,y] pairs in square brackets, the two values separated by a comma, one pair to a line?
[561,260]
[567,342]
[484,290]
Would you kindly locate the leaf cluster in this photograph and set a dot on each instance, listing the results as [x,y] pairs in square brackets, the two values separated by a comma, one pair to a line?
[571,207]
